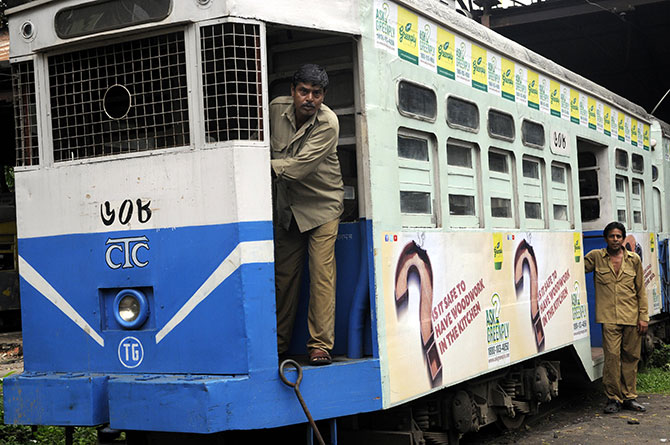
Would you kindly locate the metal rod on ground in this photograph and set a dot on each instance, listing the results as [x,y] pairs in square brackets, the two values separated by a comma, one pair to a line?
[69,435]
[296,387]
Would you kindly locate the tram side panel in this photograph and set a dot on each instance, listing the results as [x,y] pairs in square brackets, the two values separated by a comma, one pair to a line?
[455,303]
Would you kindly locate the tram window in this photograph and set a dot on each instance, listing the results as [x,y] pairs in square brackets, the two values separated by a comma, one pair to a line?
[501,125]
[636,188]
[415,202]
[25,113]
[416,178]
[533,210]
[637,163]
[621,159]
[462,114]
[621,216]
[416,101]
[586,159]
[531,169]
[412,148]
[620,185]
[561,212]
[149,112]
[231,69]
[501,208]
[558,174]
[588,183]
[106,15]
[590,209]
[532,134]
[498,162]
[654,173]
[532,192]
[461,205]
[459,156]
[561,198]
[636,204]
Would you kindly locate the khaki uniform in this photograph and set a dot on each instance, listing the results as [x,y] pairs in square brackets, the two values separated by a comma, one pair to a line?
[308,202]
[621,302]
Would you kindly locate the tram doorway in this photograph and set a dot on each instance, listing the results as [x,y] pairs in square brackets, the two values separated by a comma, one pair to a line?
[594,197]
[288,49]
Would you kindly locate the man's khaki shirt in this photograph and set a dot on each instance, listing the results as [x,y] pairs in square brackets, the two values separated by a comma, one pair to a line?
[308,181]
[620,299]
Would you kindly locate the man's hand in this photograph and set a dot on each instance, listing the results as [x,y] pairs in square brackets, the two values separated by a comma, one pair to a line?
[642,327]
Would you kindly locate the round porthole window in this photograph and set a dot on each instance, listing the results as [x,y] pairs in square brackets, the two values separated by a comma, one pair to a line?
[28,30]
[117,102]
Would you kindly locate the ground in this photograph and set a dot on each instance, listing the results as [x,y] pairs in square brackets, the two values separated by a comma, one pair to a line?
[577,418]
[11,353]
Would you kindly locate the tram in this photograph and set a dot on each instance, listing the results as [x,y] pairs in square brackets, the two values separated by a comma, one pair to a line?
[477,174]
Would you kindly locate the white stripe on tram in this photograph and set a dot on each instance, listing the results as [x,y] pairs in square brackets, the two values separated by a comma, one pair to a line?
[42,286]
[245,253]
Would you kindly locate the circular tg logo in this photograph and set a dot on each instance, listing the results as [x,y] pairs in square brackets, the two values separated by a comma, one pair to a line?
[131,352]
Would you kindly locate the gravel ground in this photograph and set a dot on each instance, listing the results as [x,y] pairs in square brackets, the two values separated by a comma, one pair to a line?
[577,418]
[11,353]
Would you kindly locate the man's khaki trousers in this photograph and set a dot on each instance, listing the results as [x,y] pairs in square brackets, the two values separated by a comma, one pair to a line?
[290,248]
[621,346]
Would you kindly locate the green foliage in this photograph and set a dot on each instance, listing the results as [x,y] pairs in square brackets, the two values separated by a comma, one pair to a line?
[660,358]
[43,435]
[654,380]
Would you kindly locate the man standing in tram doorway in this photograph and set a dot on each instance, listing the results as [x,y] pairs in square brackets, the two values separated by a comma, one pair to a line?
[621,307]
[308,203]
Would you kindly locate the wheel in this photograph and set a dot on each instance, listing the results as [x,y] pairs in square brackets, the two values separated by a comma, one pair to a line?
[506,422]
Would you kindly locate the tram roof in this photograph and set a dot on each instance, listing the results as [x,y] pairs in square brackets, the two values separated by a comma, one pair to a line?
[452,19]
[484,36]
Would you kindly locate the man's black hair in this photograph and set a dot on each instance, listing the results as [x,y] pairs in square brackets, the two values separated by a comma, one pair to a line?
[614,225]
[311,73]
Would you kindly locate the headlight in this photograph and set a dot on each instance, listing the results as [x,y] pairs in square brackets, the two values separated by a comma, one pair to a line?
[131,308]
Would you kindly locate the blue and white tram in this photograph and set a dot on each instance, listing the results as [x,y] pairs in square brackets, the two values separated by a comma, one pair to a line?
[471,167]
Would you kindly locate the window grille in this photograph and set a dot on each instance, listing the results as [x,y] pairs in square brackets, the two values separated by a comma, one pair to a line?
[231,70]
[25,113]
[121,98]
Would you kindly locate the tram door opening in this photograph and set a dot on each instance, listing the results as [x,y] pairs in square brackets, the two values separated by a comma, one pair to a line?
[596,211]
[287,50]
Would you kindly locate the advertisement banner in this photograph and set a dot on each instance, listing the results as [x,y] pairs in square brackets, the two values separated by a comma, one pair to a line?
[544,91]
[633,132]
[592,113]
[645,136]
[583,110]
[565,103]
[508,88]
[574,106]
[479,62]
[408,26]
[445,53]
[443,300]
[555,97]
[427,44]
[494,72]
[521,80]
[615,123]
[607,129]
[621,132]
[533,89]
[386,22]
[645,246]
[626,129]
[640,133]
[463,60]
[600,116]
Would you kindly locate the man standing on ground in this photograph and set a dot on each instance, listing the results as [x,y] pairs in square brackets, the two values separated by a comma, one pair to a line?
[308,202]
[621,307]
